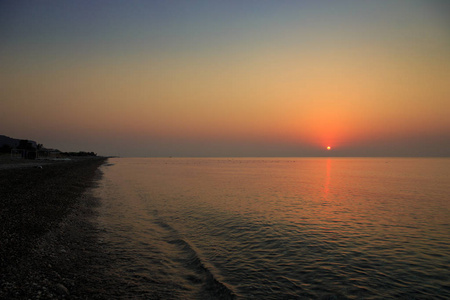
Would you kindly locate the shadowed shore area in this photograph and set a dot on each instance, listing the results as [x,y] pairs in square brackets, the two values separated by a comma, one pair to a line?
[48,237]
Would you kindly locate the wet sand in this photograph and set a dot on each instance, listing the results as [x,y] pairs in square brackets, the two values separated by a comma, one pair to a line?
[49,245]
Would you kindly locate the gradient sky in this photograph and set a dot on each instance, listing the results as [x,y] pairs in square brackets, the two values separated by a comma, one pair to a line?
[228,78]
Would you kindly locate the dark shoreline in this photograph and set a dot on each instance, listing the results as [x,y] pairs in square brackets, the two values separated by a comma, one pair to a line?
[48,237]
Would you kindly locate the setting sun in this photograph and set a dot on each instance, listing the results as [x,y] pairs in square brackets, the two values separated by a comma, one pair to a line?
[328,148]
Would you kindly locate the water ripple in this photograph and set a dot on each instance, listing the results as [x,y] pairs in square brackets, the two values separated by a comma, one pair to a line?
[282,229]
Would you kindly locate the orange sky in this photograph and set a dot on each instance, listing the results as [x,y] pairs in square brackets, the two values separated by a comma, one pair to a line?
[271,79]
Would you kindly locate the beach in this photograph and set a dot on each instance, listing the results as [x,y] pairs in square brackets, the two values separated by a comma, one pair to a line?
[48,236]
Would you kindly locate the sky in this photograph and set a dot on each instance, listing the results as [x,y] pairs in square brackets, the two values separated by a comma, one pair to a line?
[227,78]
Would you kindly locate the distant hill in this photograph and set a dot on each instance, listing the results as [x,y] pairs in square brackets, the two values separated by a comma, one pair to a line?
[6,140]
[11,142]
[7,144]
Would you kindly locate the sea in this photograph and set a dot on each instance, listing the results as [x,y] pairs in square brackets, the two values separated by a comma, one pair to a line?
[277,228]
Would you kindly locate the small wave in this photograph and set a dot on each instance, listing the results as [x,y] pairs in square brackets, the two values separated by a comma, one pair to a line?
[210,285]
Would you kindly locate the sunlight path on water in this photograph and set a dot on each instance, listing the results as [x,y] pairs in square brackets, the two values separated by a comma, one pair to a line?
[279,228]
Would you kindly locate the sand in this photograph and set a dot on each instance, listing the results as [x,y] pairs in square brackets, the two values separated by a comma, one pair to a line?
[49,241]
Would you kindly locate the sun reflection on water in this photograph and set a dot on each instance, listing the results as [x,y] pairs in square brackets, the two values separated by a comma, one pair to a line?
[326,189]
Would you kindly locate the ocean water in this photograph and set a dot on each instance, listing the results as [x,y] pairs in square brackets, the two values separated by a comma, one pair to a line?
[278,228]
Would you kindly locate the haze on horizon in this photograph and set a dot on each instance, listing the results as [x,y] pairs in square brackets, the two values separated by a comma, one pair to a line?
[228,78]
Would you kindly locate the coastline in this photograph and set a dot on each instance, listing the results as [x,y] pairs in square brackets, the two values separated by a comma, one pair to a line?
[48,236]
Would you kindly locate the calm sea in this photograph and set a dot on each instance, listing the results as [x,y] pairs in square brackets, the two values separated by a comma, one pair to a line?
[278,228]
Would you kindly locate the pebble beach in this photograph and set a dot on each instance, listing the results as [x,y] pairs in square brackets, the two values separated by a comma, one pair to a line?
[49,245]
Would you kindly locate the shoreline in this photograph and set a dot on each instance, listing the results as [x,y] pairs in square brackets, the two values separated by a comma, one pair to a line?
[48,236]
[7,162]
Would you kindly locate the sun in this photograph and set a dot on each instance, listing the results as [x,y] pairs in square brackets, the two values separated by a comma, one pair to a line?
[328,148]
